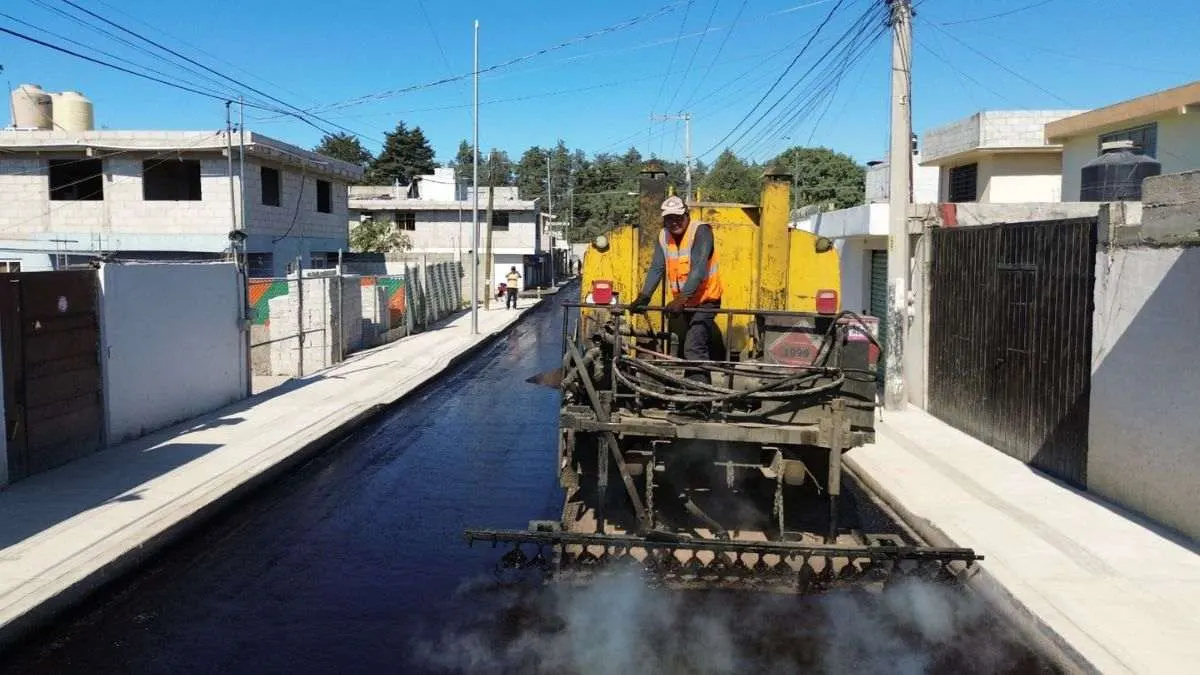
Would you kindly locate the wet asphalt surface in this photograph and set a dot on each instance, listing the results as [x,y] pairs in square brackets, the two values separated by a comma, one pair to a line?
[355,563]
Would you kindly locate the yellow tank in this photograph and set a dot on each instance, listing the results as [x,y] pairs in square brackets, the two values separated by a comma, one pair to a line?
[765,264]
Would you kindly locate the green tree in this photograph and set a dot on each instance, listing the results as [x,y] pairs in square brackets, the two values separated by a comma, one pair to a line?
[498,170]
[345,147]
[530,173]
[732,180]
[378,236]
[824,177]
[405,154]
[464,159]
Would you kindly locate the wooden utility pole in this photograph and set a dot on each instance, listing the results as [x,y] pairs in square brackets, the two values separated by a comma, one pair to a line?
[900,175]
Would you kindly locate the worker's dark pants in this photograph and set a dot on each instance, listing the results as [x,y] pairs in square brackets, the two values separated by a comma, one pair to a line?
[695,330]
[511,301]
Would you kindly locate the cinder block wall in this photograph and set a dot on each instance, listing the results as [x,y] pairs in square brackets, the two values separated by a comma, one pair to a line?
[1143,428]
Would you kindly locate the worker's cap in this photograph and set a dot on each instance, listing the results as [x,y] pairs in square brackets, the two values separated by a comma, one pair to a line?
[673,206]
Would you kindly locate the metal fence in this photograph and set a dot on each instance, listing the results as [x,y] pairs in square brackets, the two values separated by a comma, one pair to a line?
[299,327]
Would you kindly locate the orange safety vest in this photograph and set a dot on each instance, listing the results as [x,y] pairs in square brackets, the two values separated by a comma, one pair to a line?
[679,265]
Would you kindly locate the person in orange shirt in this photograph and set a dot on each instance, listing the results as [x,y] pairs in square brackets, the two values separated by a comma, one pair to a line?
[686,256]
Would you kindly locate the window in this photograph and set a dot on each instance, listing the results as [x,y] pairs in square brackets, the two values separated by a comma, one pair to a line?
[261,264]
[73,180]
[324,196]
[963,183]
[406,221]
[10,266]
[171,180]
[270,186]
[1144,137]
[500,221]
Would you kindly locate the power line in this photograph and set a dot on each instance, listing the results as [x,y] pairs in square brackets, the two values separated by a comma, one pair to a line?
[106,64]
[392,93]
[782,75]
[717,56]
[674,48]
[301,112]
[692,59]
[997,16]
[998,64]
[200,50]
[861,24]
[202,77]
[84,45]
[852,49]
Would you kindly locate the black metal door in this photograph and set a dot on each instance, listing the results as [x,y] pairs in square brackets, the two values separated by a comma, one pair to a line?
[1010,338]
[52,382]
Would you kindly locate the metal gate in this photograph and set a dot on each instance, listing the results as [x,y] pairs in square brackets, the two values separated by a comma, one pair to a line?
[1011,338]
[879,303]
[52,385]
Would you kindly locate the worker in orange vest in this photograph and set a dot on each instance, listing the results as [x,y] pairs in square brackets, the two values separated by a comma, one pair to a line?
[687,257]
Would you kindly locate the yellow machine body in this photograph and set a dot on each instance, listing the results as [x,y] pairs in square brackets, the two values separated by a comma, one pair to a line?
[765,264]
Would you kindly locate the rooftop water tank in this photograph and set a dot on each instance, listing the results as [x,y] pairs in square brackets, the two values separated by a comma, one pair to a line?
[72,112]
[1117,174]
[31,107]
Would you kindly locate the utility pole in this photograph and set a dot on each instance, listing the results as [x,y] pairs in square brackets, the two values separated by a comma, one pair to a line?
[245,257]
[487,254]
[550,209]
[233,208]
[687,148]
[900,175]
[475,198]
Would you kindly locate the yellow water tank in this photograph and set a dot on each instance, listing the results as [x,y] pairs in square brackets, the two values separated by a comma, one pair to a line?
[31,107]
[73,112]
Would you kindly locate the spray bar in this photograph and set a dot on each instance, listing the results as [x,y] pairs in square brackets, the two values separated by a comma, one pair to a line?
[674,542]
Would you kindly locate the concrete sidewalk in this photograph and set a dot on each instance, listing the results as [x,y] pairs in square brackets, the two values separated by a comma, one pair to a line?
[1102,591]
[66,532]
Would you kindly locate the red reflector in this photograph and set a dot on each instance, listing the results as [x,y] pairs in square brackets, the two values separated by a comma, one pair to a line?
[827,302]
[602,292]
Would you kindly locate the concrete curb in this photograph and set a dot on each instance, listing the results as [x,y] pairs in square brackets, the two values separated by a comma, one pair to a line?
[1044,638]
[128,559]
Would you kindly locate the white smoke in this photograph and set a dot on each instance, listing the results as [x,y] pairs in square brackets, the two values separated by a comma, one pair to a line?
[618,626]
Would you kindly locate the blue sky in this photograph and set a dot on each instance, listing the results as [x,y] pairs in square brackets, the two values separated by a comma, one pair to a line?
[598,94]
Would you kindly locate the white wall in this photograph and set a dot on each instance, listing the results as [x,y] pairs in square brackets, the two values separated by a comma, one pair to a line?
[1013,178]
[447,230]
[171,344]
[925,182]
[1144,431]
[1178,149]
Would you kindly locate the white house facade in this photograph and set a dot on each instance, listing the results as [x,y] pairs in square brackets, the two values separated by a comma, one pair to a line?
[435,214]
[1164,125]
[73,196]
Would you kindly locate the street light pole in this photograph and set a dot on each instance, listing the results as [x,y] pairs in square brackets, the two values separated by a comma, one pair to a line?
[475,198]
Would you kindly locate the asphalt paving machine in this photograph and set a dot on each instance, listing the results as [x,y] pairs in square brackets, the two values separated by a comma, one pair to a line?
[734,477]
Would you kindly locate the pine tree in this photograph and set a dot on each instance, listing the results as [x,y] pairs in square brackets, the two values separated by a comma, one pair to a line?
[345,147]
[405,154]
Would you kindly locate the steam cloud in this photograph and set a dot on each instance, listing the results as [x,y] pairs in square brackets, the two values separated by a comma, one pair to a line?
[619,626]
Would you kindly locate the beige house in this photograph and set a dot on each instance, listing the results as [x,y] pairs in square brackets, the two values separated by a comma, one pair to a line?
[1165,125]
[997,157]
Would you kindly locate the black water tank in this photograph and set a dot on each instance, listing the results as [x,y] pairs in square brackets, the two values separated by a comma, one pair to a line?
[1117,174]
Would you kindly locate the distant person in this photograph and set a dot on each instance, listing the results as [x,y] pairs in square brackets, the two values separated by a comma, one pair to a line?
[514,283]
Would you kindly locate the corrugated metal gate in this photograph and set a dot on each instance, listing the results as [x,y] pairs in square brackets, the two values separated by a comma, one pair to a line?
[879,302]
[52,384]
[1011,336]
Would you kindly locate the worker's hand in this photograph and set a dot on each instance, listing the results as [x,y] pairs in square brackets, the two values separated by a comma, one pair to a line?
[639,304]
[676,305]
